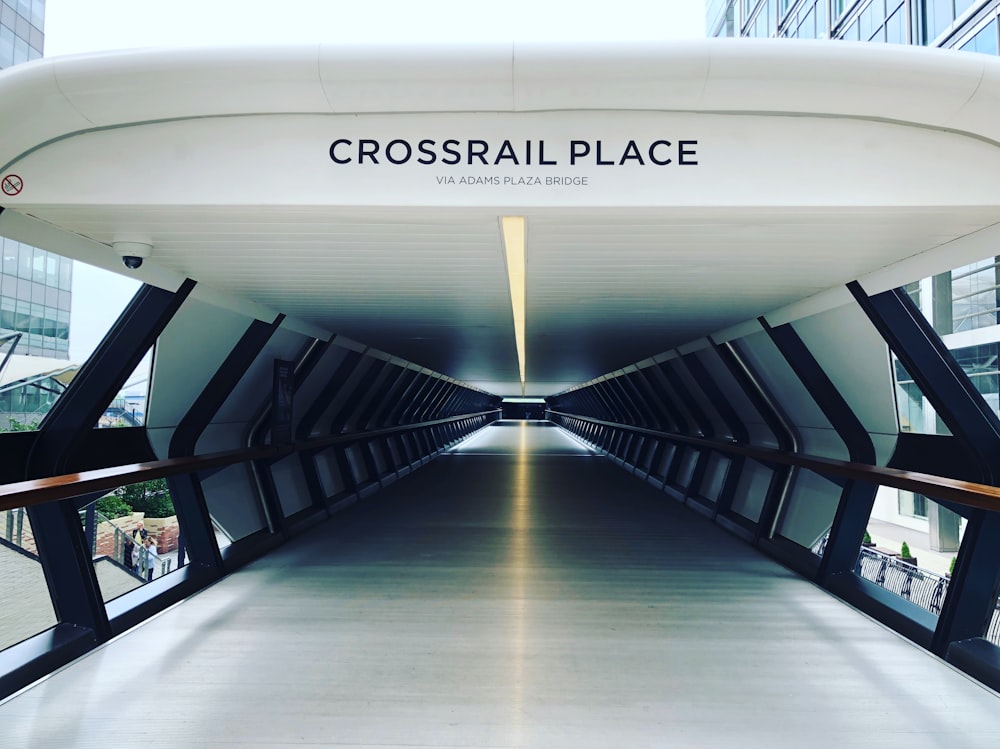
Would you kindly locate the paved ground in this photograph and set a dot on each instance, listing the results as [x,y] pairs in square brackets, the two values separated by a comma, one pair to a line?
[516,593]
[25,604]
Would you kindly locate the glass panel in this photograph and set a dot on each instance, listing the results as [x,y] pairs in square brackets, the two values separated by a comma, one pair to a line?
[99,296]
[21,50]
[980,364]
[992,632]
[24,258]
[685,470]
[808,513]
[939,16]
[24,403]
[909,553]
[916,414]
[134,536]
[715,477]
[27,605]
[961,6]
[38,306]
[232,505]
[6,47]
[128,408]
[986,37]
[974,291]
[986,41]
[868,21]
[962,306]
[37,17]
[839,6]
[751,490]
[895,27]
[807,29]
[10,250]
[65,274]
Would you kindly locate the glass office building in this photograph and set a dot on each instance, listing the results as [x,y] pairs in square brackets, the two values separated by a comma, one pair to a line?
[962,24]
[35,285]
[22,31]
[962,305]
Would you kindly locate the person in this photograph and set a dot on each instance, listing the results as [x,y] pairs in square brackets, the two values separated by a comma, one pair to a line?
[128,552]
[151,557]
[139,533]
[142,558]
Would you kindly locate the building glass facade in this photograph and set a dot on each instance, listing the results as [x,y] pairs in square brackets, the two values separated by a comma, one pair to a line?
[35,285]
[969,25]
[35,294]
[22,31]
[962,305]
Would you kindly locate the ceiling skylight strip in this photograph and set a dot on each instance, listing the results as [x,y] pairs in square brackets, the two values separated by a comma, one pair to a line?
[514,244]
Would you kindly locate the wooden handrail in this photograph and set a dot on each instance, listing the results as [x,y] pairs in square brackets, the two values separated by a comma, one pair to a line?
[968,493]
[52,488]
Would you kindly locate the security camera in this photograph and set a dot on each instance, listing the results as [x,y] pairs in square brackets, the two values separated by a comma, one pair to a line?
[132,253]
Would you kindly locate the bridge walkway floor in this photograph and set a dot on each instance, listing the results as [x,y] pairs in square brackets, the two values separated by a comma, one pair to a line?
[519,591]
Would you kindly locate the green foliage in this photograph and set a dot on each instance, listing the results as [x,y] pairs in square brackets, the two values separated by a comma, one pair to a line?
[149,497]
[904,551]
[13,425]
[951,567]
[867,539]
[113,506]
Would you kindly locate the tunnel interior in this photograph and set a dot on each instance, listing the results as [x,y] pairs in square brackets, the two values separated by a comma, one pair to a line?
[771,361]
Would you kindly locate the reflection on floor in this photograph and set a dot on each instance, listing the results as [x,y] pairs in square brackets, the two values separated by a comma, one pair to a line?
[516,592]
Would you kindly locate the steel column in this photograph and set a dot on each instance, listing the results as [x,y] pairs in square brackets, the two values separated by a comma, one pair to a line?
[186,491]
[856,500]
[973,591]
[66,560]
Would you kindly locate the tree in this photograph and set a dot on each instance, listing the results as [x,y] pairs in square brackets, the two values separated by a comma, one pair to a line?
[149,497]
[112,506]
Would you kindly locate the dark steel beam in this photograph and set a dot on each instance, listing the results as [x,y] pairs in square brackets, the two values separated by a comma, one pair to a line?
[67,560]
[955,399]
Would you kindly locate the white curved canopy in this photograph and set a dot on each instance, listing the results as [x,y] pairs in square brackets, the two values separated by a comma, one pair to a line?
[670,191]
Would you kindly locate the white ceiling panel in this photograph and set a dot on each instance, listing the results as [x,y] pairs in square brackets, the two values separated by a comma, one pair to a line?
[809,173]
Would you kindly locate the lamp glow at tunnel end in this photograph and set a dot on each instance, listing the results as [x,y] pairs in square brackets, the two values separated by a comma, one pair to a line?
[515,249]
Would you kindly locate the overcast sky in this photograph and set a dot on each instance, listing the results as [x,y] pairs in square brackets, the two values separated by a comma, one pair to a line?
[78,26]
[73,26]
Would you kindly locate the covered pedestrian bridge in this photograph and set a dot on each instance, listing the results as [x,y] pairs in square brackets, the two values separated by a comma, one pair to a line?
[701,263]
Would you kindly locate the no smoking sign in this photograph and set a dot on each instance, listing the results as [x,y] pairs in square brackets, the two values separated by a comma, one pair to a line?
[12,185]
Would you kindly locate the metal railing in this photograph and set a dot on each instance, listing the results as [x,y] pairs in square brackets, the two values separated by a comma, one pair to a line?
[993,630]
[922,587]
[12,526]
[123,542]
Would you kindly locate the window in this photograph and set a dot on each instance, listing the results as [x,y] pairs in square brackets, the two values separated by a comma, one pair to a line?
[912,505]
[938,16]
[895,27]
[974,290]
[985,41]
